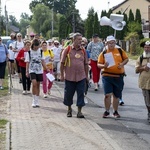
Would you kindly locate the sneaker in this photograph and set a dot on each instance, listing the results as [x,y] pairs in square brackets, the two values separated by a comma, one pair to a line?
[24,92]
[37,103]
[116,115]
[69,113]
[49,92]
[34,103]
[28,92]
[106,114]
[96,89]
[85,100]
[45,96]
[121,102]
[148,116]
[80,115]
[20,81]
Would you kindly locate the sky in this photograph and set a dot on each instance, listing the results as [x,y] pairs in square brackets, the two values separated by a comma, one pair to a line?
[20,6]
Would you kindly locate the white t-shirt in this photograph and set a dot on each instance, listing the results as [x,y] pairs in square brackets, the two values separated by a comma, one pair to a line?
[35,61]
[11,54]
[17,45]
[56,52]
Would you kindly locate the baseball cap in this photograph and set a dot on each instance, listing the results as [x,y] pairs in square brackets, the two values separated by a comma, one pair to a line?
[56,41]
[50,41]
[10,44]
[71,35]
[110,38]
[32,34]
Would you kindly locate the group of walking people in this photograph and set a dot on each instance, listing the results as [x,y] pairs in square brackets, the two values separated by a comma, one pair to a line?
[76,61]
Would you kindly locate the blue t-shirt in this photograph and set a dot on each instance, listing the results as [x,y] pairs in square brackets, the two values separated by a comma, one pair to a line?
[3,53]
[9,42]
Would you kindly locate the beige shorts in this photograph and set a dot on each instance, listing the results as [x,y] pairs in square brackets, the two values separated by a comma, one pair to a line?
[146,94]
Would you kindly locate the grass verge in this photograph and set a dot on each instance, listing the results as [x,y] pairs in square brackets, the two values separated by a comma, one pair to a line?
[3,123]
[4,92]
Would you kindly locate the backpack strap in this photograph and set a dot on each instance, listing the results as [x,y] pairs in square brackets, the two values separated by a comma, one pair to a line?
[141,59]
[67,60]
[120,51]
[5,49]
[30,53]
[41,53]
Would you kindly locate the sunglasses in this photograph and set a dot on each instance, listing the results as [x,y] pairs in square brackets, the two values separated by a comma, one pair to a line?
[31,36]
[56,44]
[82,44]
[19,35]
[36,44]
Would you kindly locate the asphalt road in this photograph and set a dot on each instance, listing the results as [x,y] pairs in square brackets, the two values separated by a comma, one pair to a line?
[132,130]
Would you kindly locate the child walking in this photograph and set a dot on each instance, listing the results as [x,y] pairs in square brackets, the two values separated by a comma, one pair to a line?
[48,58]
[34,68]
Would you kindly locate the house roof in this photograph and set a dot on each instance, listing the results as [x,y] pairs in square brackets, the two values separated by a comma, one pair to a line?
[13,28]
[115,7]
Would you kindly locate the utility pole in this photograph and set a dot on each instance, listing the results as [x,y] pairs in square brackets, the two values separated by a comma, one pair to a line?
[52,23]
[6,19]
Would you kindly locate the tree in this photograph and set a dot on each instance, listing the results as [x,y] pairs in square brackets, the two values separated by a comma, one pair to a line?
[104,30]
[96,25]
[138,16]
[59,6]
[24,22]
[13,21]
[135,27]
[89,23]
[62,27]
[131,16]
[41,19]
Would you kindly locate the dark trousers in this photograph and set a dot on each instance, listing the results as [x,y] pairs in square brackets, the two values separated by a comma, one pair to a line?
[70,89]
[2,70]
[26,82]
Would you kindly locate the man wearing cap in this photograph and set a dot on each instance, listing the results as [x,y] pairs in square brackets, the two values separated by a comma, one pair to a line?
[50,44]
[112,62]
[143,68]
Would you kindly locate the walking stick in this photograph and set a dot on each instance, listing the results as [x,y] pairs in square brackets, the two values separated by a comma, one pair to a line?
[10,79]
